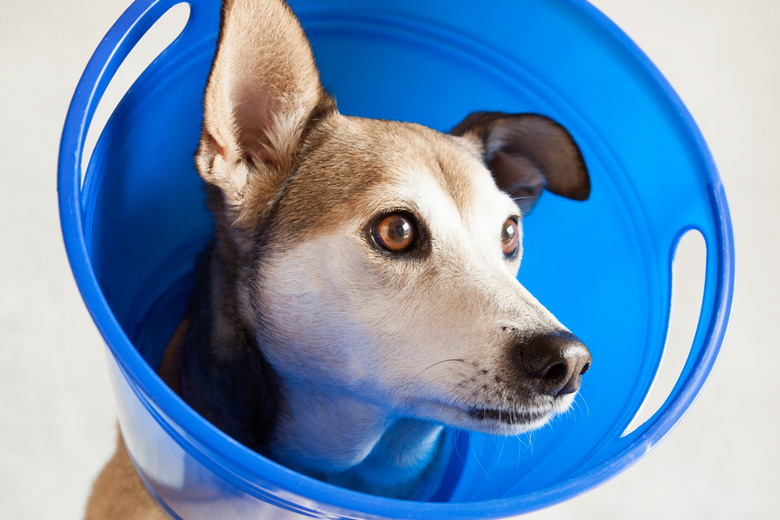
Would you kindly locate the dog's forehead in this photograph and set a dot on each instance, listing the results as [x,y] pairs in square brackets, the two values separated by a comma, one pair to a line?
[353,167]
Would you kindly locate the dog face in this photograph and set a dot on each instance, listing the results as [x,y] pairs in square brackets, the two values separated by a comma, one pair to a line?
[392,278]
[375,259]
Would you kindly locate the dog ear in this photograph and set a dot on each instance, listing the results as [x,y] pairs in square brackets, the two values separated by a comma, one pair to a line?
[263,91]
[527,153]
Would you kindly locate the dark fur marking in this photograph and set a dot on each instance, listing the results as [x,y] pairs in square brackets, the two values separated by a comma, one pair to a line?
[533,153]
[238,393]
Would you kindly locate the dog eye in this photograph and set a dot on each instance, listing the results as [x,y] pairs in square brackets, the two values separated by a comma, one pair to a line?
[510,237]
[395,232]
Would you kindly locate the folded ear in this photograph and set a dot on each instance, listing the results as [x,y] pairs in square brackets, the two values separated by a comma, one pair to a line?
[263,91]
[527,153]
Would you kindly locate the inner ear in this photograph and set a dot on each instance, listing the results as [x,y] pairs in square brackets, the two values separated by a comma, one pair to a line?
[518,176]
[253,120]
[527,153]
[263,95]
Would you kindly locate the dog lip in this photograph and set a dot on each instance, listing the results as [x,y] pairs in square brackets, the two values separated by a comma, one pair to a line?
[510,417]
[484,418]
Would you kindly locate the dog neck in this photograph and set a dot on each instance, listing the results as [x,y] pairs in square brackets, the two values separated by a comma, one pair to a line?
[328,435]
[356,444]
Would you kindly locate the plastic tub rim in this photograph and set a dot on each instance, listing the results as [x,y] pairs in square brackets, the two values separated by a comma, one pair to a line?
[157,397]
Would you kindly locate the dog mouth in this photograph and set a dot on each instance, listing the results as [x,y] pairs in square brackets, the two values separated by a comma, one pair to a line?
[496,421]
[513,419]
[508,417]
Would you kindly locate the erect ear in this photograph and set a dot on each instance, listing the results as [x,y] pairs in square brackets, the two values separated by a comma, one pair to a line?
[263,91]
[527,153]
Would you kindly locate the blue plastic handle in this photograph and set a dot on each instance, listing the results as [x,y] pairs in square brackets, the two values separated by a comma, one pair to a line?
[120,40]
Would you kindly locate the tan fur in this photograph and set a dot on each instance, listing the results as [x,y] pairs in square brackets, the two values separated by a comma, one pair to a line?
[118,492]
[351,163]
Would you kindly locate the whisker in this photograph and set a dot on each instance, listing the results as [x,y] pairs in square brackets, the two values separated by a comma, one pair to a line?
[439,363]
[576,404]
[587,408]
[500,448]
[530,444]
[479,463]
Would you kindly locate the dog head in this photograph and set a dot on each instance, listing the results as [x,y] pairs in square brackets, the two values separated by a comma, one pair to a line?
[378,259]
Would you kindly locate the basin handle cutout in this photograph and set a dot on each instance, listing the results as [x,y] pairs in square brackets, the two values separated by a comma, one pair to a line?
[688,274]
[151,45]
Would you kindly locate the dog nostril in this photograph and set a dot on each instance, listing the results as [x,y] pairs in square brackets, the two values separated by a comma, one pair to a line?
[585,368]
[556,372]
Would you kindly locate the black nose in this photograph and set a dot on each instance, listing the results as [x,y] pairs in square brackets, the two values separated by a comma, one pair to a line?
[553,362]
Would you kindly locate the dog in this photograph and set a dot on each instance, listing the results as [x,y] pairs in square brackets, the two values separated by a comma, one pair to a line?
[360,292]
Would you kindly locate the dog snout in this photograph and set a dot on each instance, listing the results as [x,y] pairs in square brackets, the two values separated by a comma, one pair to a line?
[554,362]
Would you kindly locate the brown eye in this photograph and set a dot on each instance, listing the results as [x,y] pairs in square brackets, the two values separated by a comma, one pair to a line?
[395,232]
[510,237]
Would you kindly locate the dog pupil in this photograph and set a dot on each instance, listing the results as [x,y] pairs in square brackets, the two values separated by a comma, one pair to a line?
[401,230]
[509,234]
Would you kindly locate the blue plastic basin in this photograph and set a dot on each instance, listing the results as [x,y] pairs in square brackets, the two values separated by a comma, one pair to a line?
[134,227]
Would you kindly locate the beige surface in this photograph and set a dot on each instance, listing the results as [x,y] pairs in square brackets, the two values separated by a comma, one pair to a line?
[56,425]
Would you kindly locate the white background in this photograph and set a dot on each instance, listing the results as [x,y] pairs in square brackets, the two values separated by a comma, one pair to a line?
[56,407]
